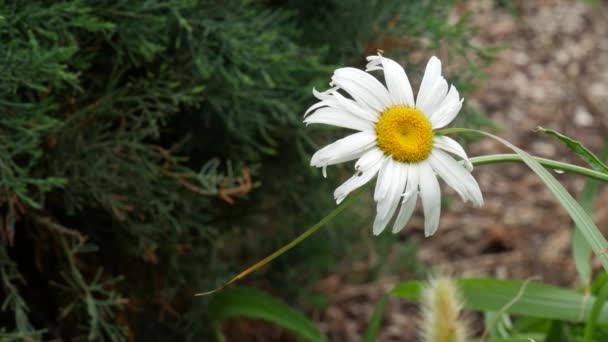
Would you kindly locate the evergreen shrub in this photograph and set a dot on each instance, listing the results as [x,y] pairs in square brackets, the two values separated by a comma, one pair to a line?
[151,149]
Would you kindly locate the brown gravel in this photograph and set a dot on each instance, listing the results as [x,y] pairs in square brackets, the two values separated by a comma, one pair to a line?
[554,73]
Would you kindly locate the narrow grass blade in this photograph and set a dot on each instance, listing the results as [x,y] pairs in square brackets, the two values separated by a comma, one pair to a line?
[250,303]
[580,247]
[559,332]
[373,328]
[578,148]
[594,237]
[595,313]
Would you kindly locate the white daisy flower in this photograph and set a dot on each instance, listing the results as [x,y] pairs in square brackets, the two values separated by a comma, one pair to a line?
[395,140]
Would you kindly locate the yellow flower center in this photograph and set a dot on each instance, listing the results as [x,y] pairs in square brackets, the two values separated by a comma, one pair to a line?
[405,134]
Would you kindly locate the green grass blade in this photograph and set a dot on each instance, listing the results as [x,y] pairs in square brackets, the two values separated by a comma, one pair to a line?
[582,220]
[373,328]
[595,313]
[531,299]
[578,148]
[559,332]
[580,247]
[250,303]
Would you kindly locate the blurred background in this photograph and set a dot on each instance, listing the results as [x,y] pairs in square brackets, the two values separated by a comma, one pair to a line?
[150,150]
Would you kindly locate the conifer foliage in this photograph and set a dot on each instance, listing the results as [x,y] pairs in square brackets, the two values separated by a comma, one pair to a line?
[134,134]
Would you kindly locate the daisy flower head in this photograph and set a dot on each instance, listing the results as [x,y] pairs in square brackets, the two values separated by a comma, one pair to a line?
[395,140]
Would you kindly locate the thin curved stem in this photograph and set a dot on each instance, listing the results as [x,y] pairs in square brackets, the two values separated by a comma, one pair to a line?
[350,199]
[552,164]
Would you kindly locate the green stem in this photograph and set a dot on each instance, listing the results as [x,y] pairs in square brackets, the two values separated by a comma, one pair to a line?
[552,164]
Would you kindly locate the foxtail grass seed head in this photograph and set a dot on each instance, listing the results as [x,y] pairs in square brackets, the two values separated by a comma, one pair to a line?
[441,311]
[395,140]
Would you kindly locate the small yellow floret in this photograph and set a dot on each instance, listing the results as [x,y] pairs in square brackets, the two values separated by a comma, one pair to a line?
[405,134]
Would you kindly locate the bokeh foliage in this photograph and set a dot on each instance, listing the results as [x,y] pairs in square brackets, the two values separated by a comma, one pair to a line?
[150,149]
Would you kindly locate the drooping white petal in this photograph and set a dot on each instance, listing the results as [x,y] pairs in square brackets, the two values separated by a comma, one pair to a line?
[432,74]
[339,118]
[408,204]
[447,110]
[452,146]
[437,92]
[345,149]
[430,195]
[358,180]
[364,86]
[397,82]
[388,204]
[456,176]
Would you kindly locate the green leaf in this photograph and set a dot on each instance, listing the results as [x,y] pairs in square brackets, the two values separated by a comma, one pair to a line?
[580,247]
[517,297]
[251,303]
[579,149]
[373,327]
[582,220]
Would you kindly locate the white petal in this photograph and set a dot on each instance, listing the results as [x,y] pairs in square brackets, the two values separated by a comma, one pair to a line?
[435,97]
[452,146]
[370,158]
[326,100]
[336,117]
[447,110]
[387,206]
[356,181]
[431,198]
[397,185]
[331,98]
[363,85]
[410,197]
[450,99]
[432,74]
[345,149]
[398,84]
[374,63]
[354,107]
[405,213]
[383,182]
[456,176]
[413,178]
[446,114]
